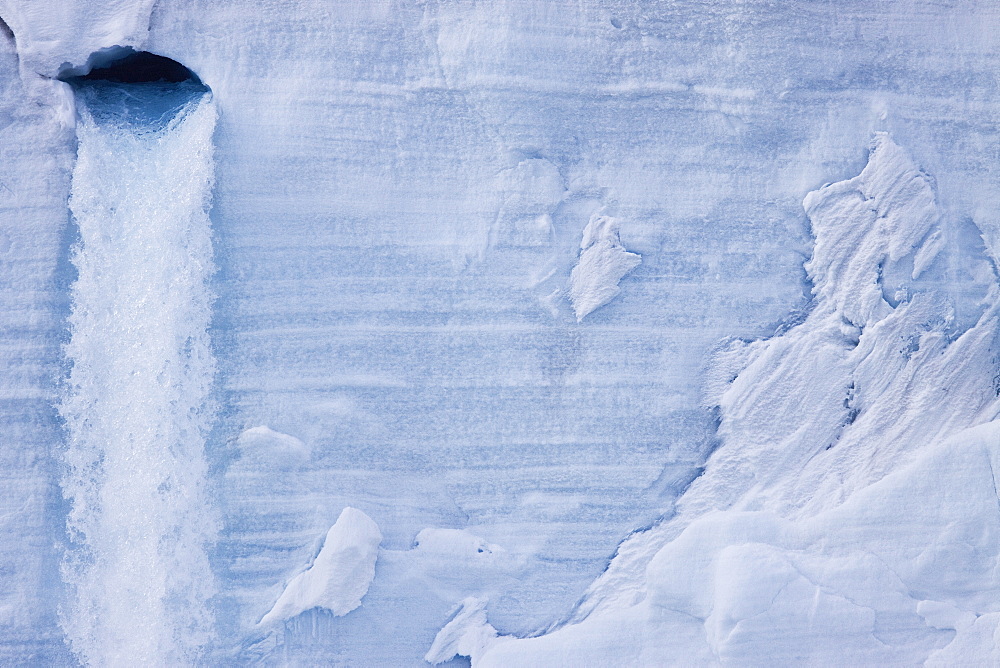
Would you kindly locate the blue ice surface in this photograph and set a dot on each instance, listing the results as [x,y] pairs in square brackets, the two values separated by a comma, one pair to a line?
[147,105]
[376,293]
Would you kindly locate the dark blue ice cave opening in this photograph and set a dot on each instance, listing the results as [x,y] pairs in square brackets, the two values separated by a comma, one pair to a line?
[122,86]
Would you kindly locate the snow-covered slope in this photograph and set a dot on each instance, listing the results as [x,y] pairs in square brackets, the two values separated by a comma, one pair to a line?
[903,573]
[850,512]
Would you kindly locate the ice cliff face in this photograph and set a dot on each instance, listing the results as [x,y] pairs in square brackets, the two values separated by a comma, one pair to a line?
[850,511]
[466,261]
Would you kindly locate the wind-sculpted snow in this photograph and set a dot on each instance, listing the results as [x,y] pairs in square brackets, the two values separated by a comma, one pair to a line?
[849,494]
[902,573]
[340,575]
[603,262]
[137,399]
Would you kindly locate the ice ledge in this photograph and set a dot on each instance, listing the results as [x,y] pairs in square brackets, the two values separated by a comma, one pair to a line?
[51,34]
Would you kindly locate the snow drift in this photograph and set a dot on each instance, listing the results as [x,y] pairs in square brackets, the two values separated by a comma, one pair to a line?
[850,512]
[603,263]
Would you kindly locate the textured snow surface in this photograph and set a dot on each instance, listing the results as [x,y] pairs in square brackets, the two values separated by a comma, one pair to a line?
[801,542]
[341,574]
[530,284]
[603,262]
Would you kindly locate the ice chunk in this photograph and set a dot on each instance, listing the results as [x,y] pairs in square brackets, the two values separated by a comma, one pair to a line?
[467,634]
[603,263]
[341,574]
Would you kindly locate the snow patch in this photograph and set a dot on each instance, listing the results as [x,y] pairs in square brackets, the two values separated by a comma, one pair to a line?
[467,634]
[263,446]
[454,543]
[603,263]
[340,576]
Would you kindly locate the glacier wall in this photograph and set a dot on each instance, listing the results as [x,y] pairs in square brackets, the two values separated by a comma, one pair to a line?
[35,166]
[401,195]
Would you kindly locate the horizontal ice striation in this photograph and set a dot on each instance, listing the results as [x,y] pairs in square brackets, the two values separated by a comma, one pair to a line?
[850,499]
[136,403]
[34,156]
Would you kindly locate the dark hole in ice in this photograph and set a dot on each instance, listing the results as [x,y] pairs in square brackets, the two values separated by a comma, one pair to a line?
[126,87]
[142,67]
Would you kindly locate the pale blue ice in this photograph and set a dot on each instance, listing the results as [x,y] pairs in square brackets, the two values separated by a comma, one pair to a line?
[396,197]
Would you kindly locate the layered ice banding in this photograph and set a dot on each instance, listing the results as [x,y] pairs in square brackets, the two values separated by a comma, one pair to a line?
[137,403]
[850,510]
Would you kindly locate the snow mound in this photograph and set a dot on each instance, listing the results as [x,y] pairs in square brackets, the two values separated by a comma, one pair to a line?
[603,263]
[455,543]
[903,573]
[341,574]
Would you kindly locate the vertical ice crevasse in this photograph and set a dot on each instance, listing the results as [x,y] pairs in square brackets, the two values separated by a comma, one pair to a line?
[137,406]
